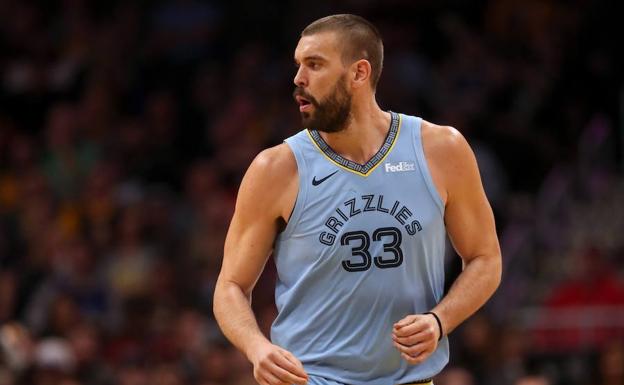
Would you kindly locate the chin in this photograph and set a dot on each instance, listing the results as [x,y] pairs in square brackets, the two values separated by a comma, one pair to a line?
[306,119]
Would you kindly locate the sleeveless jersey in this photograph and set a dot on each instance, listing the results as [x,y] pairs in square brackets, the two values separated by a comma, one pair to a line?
[363,248]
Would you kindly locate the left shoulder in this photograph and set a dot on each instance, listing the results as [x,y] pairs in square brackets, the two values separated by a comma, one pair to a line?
[450,158]
[445,139]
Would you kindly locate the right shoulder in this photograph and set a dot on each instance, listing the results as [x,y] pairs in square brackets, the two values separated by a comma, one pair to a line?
[272,167]
[278,159]
[271,180]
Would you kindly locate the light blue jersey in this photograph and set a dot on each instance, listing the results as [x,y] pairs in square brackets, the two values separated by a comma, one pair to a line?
[364,247]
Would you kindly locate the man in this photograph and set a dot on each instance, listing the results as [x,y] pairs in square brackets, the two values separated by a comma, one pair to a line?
[355,210]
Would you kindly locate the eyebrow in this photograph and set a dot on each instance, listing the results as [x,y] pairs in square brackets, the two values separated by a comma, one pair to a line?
[312,57]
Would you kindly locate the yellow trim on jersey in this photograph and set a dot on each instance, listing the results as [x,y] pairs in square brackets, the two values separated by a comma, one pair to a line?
[396,137]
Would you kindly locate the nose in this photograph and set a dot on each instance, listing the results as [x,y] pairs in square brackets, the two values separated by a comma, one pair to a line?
[300,79]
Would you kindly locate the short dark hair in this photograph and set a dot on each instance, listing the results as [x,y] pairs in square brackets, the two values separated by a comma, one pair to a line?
[360,38]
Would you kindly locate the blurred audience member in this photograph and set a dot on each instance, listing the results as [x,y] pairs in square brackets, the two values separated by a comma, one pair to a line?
[532,380]
[610,363]
[455,376]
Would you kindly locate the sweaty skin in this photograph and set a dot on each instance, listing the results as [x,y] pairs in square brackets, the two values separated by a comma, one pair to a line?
[269,189]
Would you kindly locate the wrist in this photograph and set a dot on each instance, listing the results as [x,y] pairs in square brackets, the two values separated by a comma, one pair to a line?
[439,322]
[254,345]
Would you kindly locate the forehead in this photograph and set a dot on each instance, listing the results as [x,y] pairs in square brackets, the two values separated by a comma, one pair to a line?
[323,44]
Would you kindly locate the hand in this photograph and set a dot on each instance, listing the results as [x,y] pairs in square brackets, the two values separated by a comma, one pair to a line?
[416,337]
[276,366]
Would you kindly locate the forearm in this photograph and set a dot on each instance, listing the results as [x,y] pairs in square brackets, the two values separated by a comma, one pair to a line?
[472,288]
[232,309]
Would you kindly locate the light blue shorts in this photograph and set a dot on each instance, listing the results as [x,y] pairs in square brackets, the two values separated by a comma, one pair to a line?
[316,380]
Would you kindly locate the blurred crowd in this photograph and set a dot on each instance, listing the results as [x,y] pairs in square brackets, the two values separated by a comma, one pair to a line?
[126,126]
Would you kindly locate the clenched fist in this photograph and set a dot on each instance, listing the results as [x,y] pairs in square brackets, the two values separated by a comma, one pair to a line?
[416,337]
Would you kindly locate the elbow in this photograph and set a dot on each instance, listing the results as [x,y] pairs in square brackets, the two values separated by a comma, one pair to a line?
[216,300]
[490,270]
[225,293]
[219,297]
[497,270]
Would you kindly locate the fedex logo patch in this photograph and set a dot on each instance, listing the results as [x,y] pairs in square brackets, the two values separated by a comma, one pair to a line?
[400,167]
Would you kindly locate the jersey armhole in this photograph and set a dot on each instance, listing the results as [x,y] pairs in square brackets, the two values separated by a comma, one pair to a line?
[424,166]
[295,214]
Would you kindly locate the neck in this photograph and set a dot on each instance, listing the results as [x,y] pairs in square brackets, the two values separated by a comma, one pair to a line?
[364,135]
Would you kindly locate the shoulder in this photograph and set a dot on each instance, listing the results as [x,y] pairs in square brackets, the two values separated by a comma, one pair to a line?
[270,178]
[445,139]
[445,145]
[273,161]
[449,156]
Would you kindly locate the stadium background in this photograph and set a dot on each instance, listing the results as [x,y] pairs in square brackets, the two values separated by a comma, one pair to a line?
[125,127]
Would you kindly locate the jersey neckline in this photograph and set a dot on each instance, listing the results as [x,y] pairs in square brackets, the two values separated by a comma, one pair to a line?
[349,165]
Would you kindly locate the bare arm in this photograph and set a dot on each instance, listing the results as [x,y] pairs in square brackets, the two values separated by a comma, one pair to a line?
[470,226]
[265,197]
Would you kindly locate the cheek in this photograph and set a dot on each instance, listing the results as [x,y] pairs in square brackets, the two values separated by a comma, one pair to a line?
[322,91]
[321,83]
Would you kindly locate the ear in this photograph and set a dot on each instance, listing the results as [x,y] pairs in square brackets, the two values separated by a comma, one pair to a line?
[360,73]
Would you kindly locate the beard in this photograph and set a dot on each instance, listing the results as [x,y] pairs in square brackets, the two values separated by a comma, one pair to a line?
[332,113]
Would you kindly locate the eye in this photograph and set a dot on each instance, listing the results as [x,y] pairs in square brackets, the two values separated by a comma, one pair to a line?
[314,65]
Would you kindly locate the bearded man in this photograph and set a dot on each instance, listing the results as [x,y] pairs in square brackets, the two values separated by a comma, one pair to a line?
[355,210]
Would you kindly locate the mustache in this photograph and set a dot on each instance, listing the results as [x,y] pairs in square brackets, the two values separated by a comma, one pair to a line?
[301,92]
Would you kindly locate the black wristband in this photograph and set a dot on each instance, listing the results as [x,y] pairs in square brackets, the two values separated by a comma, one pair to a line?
[438,321]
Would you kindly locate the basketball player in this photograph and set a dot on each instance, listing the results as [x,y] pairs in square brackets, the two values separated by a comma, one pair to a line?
[355,210]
